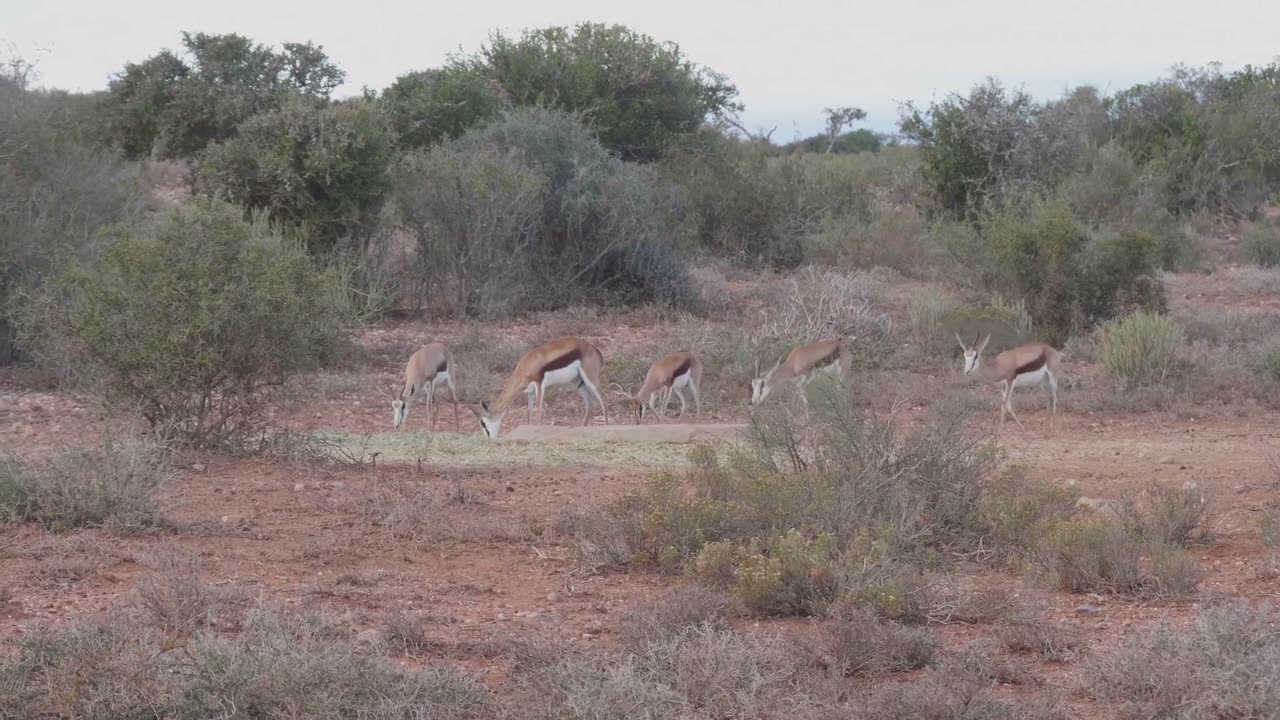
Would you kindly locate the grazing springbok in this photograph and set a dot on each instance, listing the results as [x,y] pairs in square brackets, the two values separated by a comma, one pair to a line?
[1024,366]
[800,366]
[669,375]
[430,365]
[559,362]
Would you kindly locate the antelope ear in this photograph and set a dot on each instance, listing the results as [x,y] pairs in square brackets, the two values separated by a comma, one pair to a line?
[484,405]
[475,412]
[962,346]
[983,346]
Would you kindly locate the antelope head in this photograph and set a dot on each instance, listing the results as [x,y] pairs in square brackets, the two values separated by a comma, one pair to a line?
[973,353]
[490,424]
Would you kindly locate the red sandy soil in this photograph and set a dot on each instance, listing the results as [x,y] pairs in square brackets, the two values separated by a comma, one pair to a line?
[300,535]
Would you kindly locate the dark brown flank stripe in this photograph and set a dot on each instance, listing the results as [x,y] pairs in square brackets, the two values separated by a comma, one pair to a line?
[561,362]
[443,366]
[1032,366]
[684,368]
[830,358]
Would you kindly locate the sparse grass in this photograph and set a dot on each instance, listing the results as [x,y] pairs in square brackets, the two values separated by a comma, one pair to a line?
[832,303]
[1031,634]
[926,310]
[958,689]
[1141,349]
[704,671]
[862,644]
[1225,665]
[124,666]
[1175,513]
[178,602]
[112,485]
[685,607]
[472,449]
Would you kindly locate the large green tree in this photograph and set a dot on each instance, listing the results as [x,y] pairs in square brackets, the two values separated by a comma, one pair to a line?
[636,93]
[177,104]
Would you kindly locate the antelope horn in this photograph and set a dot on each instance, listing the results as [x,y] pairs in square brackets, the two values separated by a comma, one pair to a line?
[619,389]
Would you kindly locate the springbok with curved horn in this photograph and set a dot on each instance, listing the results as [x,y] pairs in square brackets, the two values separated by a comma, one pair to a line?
[559,362]
[1024,366]
[669,375]
[430,365]
[800,366]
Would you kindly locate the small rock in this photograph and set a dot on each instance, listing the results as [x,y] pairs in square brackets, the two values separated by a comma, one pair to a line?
[533,615]
[553,596]
[199,467]
[595,627]
[299,487]
[338,485]
[1166,460]
[502,617]
[369,638]
[511,488]
[1088,611]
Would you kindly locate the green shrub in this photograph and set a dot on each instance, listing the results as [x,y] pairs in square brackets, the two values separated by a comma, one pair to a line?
[17,488]
[1097,555]
[1140,350]
[808,514]
[194,319]
[787,575]
[603,233]
[1069,279]
[57,193]
[1020,511]
[1269,364]
[1262,243]
[471,213]
[322,170]
[641,94]
[427,107]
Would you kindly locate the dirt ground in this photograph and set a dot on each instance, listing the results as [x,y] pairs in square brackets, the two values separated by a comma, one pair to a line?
[497,564]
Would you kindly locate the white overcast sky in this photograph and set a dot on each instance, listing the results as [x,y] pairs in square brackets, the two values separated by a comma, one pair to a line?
[789,59]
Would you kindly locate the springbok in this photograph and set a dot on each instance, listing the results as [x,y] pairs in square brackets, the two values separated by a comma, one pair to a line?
[559,362]
[800,366]
[1024,366]
[431,364]
[669,375]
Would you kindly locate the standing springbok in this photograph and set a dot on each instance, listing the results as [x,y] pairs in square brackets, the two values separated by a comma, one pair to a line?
[800,366]
[1024,366]
[431,364]
[559,362]
[669,375]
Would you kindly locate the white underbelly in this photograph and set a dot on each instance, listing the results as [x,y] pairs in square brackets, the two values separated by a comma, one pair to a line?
[680,382]
[442,377]
[1035,377]
[567,374]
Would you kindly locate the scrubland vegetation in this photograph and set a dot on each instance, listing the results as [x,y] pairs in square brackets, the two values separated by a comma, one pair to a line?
[202,250]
